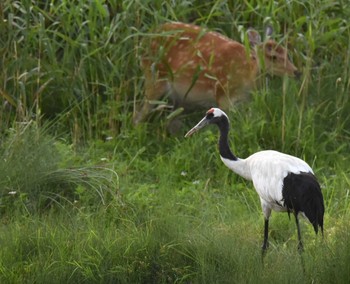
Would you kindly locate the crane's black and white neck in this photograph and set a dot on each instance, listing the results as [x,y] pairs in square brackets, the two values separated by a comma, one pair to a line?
[218,117]
[283,182]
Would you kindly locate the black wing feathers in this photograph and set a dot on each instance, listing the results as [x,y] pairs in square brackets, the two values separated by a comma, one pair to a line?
[302,193]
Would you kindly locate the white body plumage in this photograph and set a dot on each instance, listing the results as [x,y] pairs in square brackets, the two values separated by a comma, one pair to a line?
[267,170]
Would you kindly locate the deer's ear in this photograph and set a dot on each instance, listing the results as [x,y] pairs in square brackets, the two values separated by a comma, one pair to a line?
[254,37]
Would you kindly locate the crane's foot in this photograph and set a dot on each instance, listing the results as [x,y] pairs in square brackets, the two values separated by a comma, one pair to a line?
[300,247]
[264,248]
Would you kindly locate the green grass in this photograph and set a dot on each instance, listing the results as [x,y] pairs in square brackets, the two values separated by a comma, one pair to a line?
[88,198]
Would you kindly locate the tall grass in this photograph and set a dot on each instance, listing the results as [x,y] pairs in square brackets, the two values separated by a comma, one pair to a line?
[77,246]
[86,197]
[83,58]
[37,170]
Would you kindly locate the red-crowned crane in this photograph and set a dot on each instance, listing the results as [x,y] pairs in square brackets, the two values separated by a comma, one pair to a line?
[284,183]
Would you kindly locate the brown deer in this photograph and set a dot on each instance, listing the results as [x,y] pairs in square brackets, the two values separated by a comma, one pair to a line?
[201,68]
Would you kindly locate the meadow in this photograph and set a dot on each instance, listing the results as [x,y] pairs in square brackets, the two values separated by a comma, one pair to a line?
[86,197]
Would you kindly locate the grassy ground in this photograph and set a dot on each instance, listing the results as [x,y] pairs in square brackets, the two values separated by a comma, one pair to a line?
[88,198]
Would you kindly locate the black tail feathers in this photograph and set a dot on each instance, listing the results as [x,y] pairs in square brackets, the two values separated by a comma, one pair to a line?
[314,211]
[302,193]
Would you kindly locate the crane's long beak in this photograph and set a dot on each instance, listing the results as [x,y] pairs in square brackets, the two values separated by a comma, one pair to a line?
[199,125]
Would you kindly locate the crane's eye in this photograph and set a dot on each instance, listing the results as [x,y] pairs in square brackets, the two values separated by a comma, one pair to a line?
[210,115]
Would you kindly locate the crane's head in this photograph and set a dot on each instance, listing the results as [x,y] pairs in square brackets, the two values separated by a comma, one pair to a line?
[213,116]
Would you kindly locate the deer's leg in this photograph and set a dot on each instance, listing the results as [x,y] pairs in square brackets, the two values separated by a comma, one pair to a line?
[155,88]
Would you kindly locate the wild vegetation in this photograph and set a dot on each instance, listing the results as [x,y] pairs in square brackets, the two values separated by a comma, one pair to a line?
[85,197]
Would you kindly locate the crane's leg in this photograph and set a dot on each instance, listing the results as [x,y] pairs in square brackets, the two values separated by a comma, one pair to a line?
[300,244]
[267,213]
[265,244]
